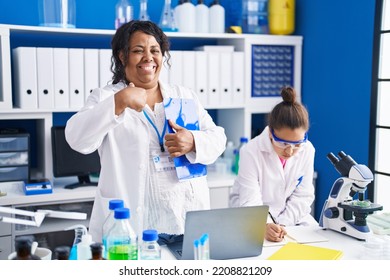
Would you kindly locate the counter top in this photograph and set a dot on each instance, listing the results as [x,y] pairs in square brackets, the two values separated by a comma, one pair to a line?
[16,196]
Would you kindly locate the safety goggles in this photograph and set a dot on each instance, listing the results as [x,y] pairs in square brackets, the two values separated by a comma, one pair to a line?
[283,144]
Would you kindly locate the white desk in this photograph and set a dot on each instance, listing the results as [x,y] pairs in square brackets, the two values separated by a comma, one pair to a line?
[352,248]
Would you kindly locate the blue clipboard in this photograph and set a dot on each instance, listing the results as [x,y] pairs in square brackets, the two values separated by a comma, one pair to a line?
[183,112]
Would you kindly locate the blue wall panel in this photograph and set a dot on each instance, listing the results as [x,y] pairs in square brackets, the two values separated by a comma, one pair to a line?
[336,70]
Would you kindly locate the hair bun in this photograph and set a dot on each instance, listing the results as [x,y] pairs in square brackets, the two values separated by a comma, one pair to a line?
[288,94]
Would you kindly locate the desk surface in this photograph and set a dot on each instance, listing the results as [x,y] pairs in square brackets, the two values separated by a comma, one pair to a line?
[352,248]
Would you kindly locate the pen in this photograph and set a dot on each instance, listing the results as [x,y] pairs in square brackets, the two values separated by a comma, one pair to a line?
[274,221]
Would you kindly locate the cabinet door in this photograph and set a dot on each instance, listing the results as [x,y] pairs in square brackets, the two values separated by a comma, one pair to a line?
[5,247]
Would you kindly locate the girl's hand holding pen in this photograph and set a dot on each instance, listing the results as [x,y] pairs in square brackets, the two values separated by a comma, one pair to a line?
[275,232]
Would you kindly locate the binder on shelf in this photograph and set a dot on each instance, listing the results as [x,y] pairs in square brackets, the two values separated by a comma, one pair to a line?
[188,65]
[225,78]
[215,48]
[213,84]
[105,74]
[238,77]
[183,112]
[61,78]
[176,71]
[45,76]
[76,78]
[297,251]
[25,77]
[91,71]
[201,73]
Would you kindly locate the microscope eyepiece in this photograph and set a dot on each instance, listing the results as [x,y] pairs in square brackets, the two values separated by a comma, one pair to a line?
[342,164]
[333,159]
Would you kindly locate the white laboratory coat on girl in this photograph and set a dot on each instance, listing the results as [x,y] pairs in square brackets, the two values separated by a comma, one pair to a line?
[262,180]
[123,145]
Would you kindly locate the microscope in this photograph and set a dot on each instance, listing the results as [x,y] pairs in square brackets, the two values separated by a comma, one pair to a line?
[341,212]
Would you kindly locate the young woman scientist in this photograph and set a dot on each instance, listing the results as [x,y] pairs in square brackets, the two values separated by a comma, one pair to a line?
[125,121]
[276,168]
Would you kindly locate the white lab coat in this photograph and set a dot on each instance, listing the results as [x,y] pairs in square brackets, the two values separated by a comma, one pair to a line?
[262,180]
[123,145]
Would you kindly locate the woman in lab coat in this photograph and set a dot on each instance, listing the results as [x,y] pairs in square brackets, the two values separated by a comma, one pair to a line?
[276,168]
[125,121]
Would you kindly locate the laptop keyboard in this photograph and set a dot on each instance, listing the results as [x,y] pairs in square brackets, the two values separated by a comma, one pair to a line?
[179,252]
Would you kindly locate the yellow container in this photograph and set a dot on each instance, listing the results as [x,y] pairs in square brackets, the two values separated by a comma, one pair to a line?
[281,16]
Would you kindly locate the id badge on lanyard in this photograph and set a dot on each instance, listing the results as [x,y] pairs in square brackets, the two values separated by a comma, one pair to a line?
[163,162]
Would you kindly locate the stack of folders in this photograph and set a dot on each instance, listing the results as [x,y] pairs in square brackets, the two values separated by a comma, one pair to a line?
[58,78]
[215,73]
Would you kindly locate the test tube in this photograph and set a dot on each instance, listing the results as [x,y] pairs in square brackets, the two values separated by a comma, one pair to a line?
[205,248]
[196,250]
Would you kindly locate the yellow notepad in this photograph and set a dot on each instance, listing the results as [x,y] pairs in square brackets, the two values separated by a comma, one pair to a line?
[296,251]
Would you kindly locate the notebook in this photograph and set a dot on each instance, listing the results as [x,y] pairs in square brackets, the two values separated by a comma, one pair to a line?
[297,251]
[233,232]
[299,234]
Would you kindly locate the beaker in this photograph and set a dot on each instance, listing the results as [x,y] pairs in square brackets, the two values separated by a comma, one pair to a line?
[57,13]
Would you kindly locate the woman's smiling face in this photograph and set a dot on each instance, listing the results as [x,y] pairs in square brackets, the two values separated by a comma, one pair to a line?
[144,61]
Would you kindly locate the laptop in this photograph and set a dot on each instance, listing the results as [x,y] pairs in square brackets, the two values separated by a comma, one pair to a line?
[233,232]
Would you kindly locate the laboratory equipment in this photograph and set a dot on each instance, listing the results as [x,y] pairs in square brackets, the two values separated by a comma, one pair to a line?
[23,248]
[281,17]
[62,252]
[143,11]
[38,216]
[202,17]
[57,13]
[97,251]
[123,13]
[216,18]
[243,142]
[79,231]
[341,212]
[121,239]
[109,221]
[255,16]
[149,249]
[84,247]
[168,20]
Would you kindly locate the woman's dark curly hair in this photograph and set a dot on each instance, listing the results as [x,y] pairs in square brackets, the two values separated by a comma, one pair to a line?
[120,43]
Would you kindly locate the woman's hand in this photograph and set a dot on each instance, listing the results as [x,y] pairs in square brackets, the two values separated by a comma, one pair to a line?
[179,143]
[131,97]
[275,232]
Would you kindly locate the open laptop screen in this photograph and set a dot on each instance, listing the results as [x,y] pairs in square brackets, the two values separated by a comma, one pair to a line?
[233,232]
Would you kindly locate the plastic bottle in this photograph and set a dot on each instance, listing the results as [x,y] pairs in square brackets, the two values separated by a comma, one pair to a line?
[168,19]
[186,17]
[143,11]
[23,248]
[216,18]
[255,16]
[229,156]
[123,13]
[109,221]
[84,247]
[202,17]
[62,252]
[149,249]
[243,141]
[121,238]
[79,231]
[281,16]
[97,251]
